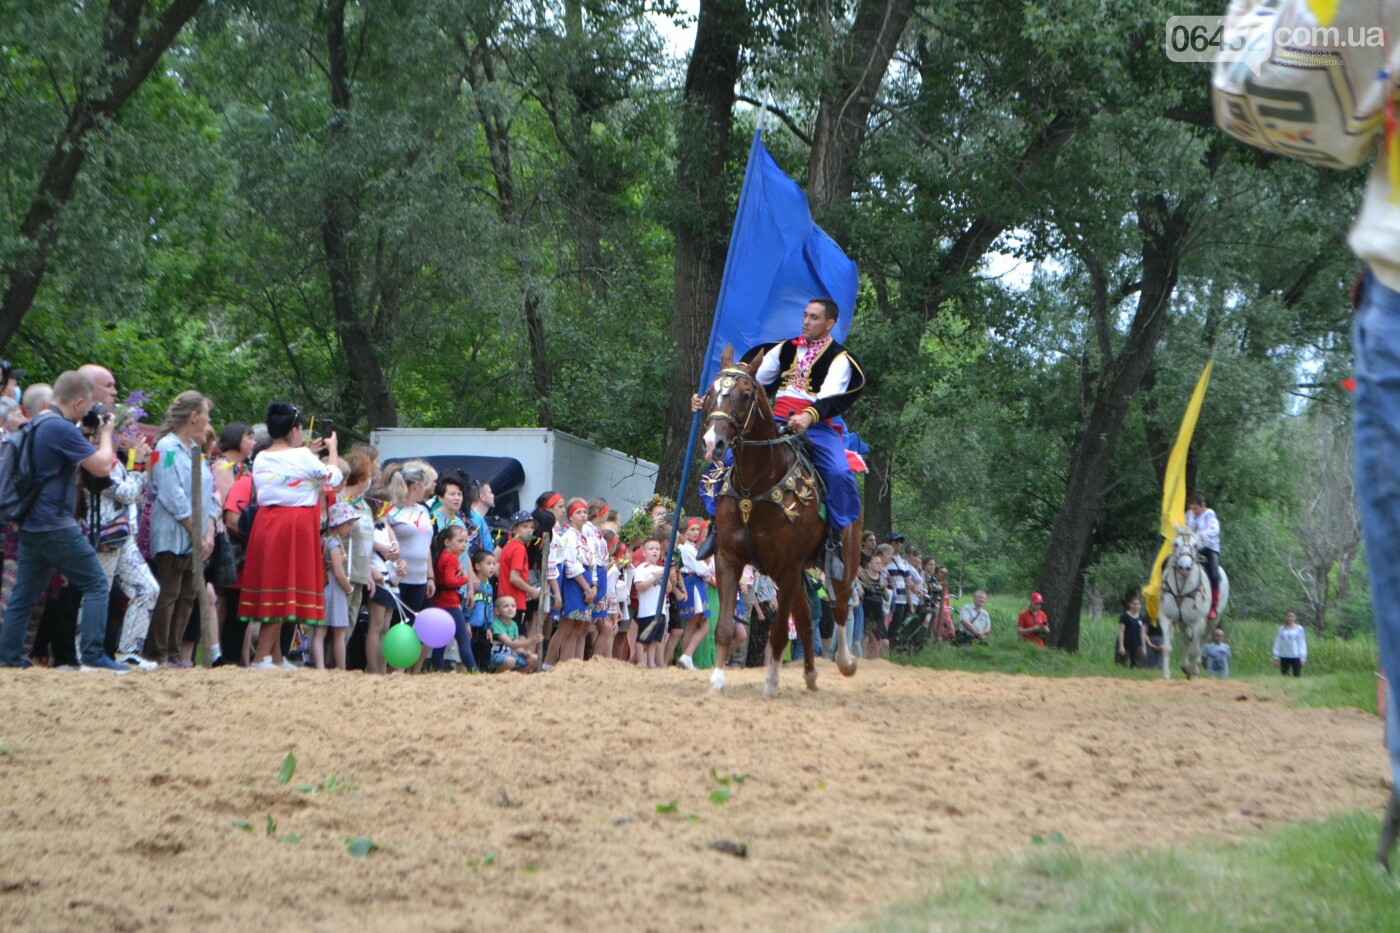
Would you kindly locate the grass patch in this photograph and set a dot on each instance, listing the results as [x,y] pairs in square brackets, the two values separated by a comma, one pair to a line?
[1339,672]
[1310,876]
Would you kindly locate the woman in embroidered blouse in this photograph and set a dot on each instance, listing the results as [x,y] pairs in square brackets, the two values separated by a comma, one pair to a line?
[576,583]
[283,574]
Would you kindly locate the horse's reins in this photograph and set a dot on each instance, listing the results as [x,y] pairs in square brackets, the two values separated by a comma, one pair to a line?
[1195,568]
[739,439]
[726,416]
[742,491]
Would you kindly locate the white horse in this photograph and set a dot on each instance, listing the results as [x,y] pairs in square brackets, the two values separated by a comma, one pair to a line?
[1185,601]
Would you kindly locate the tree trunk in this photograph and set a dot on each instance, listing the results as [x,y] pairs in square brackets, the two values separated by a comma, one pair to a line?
[128,63]
[1163,230]
[702,227]
[362,351]
[1322,574]
[876,498]
[496,128]
[854,78]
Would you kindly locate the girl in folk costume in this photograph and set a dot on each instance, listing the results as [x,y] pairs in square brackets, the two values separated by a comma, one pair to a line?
[650,626]
[620,597]
[576,583]
[553,576]
[604,628]
[695,606]
[283,573]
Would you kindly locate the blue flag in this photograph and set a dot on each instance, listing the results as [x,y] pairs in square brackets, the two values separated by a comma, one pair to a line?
[778,261]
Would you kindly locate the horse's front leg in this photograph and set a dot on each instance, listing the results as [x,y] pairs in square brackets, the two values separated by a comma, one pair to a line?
[778,635]
[802,618]
[1167,645]
[727,581]
[850,547]
[1195,636]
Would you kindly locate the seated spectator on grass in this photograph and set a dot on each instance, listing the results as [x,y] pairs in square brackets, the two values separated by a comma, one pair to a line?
[974,622]
[1032,624]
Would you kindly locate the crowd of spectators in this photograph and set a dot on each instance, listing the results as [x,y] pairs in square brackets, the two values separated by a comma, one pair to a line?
[303,555]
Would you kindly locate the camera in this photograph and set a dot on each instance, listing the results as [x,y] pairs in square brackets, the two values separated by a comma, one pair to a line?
[8,372]
[95,417]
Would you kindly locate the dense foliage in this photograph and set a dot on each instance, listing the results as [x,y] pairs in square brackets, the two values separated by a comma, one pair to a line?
[466,212]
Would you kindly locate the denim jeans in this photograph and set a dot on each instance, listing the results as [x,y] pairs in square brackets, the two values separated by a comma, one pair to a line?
[1376,343]
[69,552]
[463,637]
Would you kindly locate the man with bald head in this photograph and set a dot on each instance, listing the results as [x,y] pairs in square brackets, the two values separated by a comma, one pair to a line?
[49,537]
[117,552]
[104,384]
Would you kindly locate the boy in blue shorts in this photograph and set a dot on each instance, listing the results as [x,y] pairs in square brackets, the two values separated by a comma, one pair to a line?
[509,651]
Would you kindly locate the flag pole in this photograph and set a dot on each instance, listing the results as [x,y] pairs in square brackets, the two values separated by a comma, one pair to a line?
[700,386]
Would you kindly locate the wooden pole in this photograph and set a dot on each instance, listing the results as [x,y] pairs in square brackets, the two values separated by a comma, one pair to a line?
[210,631]
[539,623]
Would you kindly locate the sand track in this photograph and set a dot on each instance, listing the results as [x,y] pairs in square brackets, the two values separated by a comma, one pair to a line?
[532,802]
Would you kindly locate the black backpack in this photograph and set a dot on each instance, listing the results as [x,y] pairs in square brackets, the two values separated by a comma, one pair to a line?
[19,483]
[245,518]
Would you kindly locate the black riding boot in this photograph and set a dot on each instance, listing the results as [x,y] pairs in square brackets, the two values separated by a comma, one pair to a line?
[707,547]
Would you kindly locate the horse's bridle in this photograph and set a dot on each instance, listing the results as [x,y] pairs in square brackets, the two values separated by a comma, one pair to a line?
[1195,566]
[739,439]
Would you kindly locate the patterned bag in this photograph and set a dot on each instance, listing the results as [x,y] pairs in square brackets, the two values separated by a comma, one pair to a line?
[1322,94]
[143,522]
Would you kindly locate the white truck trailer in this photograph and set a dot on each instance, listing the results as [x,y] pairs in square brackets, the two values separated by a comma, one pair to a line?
[522,463]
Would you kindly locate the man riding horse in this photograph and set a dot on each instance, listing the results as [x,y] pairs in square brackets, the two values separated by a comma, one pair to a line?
[811,379]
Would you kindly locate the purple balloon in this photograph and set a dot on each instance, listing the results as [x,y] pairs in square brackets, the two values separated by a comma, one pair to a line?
[435,627]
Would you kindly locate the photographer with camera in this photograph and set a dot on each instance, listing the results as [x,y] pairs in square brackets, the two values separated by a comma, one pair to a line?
[109,523]
[49,536]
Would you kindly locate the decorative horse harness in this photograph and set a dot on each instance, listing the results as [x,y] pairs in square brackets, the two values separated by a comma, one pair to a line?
[1180,575]
[801,479]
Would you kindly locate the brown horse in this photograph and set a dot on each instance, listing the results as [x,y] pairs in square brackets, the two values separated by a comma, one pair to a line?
[766,515]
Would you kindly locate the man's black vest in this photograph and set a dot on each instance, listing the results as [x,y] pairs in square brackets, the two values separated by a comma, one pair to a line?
[787,352]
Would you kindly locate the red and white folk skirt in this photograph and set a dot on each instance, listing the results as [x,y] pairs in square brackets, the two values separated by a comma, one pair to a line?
[284,576]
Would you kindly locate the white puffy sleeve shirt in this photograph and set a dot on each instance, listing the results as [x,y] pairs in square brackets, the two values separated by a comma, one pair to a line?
[292,477]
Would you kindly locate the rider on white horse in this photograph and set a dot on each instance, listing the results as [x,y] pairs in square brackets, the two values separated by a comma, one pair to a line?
[1206,526]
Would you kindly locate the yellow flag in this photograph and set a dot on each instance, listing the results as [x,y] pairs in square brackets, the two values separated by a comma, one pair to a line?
[1174,490]
[1324,10]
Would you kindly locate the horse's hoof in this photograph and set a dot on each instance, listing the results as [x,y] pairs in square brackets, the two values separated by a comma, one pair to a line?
[812,681]
[769,692]
[849,670]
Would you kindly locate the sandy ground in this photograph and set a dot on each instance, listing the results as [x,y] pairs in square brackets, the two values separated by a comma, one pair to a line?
[531,802]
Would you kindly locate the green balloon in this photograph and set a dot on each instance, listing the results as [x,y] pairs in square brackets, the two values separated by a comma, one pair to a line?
[402,648]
